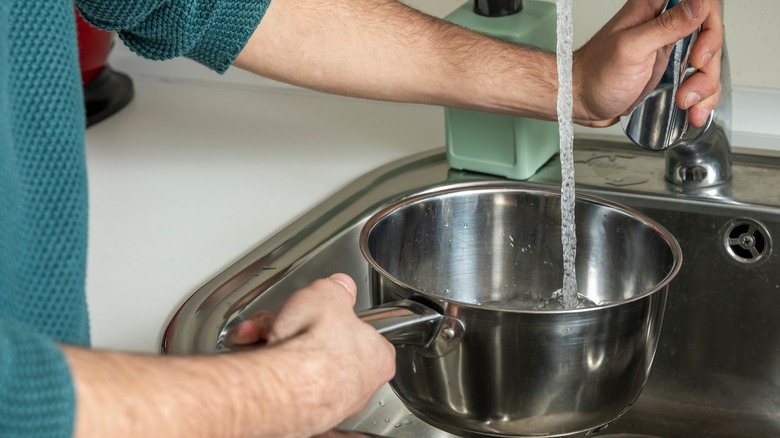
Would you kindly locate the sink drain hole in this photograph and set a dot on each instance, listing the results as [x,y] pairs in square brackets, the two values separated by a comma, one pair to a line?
[746,241]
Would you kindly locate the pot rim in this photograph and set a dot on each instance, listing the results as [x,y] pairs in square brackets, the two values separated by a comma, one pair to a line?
[398,204]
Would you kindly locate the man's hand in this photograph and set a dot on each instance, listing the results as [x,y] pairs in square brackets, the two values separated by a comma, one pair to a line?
[321,364]
[624,61]
[318,323]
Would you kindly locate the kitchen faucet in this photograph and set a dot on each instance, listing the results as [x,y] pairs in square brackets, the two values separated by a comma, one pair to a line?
[706,160]
[695,157]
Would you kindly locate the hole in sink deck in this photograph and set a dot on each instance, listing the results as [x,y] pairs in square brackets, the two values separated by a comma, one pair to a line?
[747,241]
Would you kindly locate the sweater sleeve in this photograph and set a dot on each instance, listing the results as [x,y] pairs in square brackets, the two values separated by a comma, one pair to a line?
[36,384]
[211,32]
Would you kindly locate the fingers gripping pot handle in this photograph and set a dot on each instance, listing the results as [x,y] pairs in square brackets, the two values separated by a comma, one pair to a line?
[410,323]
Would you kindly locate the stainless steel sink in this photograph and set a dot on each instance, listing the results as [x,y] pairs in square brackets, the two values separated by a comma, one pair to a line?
[717,369]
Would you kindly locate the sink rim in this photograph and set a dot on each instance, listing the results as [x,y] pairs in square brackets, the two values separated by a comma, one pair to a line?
[275,258]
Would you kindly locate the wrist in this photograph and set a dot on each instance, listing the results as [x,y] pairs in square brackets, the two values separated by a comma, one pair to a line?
[583,95]
[303,387]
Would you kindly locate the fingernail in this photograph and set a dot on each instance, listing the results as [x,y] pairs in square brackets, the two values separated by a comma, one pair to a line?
[263,318]
[699,64]
[693,8]
[345,281]
[692,99]
[705,58]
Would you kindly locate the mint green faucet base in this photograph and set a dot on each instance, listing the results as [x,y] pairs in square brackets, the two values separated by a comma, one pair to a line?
[512,147]
[508,146]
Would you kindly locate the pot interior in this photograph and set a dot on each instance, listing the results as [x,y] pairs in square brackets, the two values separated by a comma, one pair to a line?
[500,248]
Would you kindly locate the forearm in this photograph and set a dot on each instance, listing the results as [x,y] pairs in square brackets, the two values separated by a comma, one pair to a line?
[382,49]
[124,395]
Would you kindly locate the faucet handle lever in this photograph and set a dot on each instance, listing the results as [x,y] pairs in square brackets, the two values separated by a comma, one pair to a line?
[657,123]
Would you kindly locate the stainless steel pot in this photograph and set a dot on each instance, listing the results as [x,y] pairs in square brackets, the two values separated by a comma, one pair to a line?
[498,357]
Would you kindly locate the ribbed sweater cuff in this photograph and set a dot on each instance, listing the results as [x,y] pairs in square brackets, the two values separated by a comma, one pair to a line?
[227,32]
[37,398]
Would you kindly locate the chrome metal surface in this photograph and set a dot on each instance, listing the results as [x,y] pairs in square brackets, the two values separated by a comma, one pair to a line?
[695,157]
[412,324]
[657,123]
[747,241]
[716,372]
[490,256]
[705,161]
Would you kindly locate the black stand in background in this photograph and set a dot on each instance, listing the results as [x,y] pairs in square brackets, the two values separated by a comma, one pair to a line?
[108,93]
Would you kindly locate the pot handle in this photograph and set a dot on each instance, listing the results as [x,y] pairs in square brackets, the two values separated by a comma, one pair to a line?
[410,323]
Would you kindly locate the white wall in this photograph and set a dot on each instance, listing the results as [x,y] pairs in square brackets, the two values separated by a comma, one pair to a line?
[753,34]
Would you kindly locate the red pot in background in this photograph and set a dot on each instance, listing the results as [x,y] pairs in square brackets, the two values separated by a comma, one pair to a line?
[105,90]
[94,47]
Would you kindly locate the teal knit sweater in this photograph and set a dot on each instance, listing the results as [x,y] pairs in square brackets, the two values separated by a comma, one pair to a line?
[43,178]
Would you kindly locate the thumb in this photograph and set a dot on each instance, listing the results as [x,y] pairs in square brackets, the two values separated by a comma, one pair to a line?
[347,283]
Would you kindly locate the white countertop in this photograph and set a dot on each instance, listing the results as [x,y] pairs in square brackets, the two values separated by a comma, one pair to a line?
[193,174]
[189,177]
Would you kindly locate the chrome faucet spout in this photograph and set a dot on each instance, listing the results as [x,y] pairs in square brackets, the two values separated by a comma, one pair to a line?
[706,160]
[695,157]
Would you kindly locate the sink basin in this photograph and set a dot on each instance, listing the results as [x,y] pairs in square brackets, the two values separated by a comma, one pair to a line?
[717,368]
